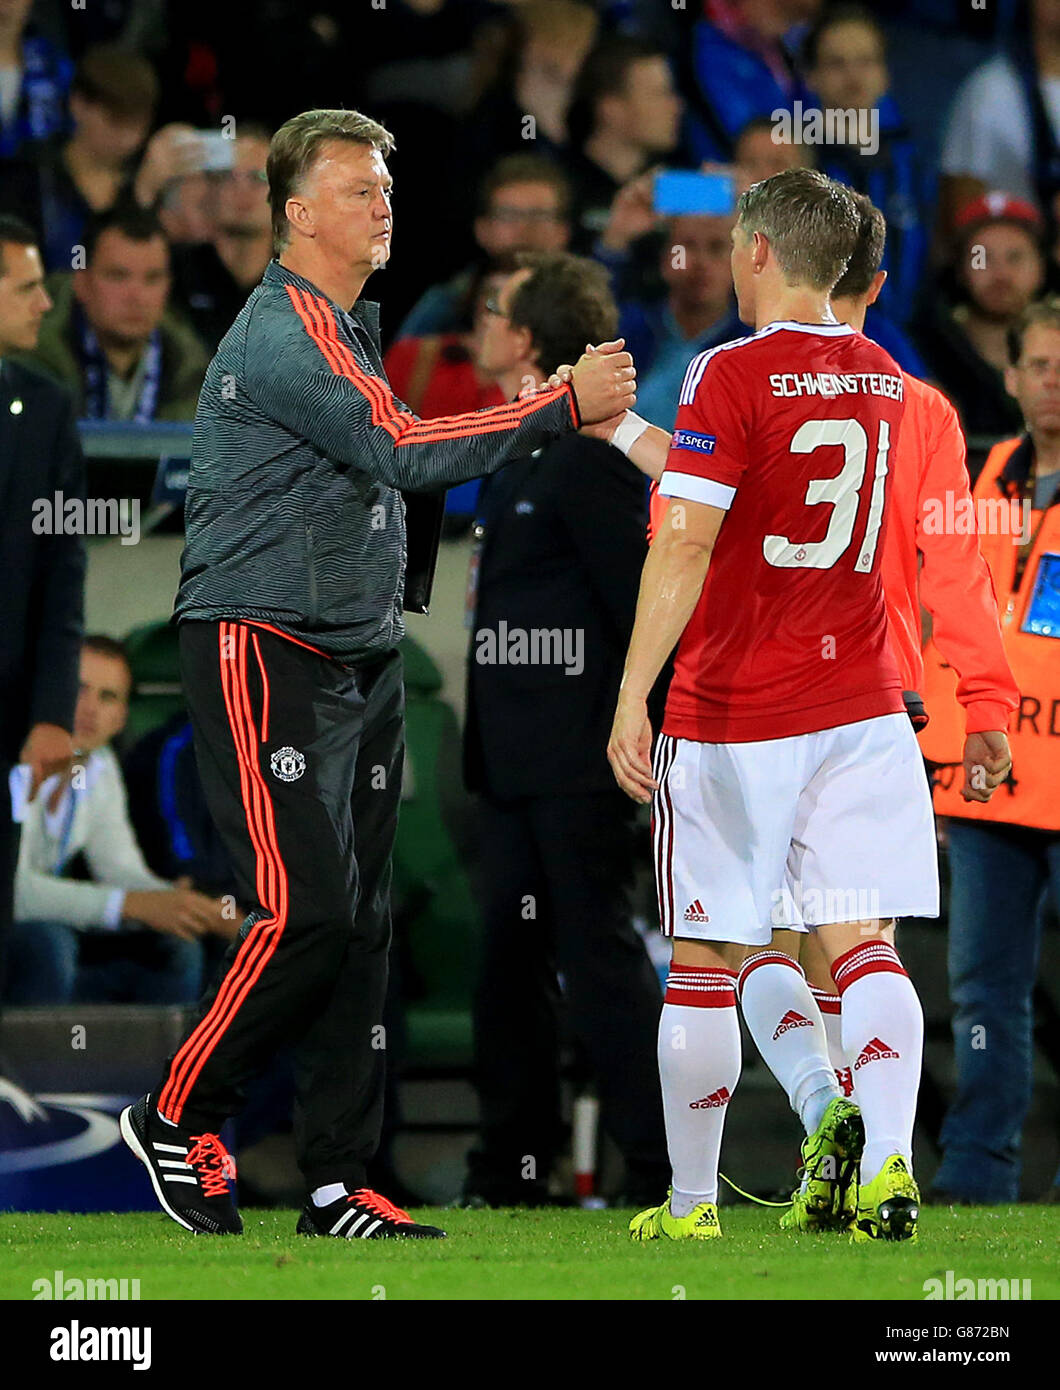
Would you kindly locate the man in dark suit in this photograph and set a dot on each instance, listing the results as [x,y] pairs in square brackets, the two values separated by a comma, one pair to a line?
[43,568]
[562,542]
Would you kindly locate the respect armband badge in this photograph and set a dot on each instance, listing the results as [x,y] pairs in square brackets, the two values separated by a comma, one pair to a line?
[698,443]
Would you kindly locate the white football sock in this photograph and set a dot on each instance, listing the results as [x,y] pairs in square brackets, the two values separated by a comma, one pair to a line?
[787,1027]
[831,1015]
[699,1066]
[883,1035]
[331,1192]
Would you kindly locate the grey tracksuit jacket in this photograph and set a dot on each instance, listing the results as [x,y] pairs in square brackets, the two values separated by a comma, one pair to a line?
[294,515]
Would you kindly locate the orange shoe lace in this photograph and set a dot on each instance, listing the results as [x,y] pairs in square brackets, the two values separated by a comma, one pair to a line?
[212,1162]
[379,1205]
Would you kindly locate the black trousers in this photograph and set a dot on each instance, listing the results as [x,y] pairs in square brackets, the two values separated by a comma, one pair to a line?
[556,875]
[301,761]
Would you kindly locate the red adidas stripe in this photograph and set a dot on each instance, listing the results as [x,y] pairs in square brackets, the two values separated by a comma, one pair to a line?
[700,987]
[827,1003]
[866,958]
[402,425]
[752,963]
[174,1093]
[263,937]
[244,974]
[277,632]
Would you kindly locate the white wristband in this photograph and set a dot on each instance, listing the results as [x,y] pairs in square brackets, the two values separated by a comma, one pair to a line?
[628,431]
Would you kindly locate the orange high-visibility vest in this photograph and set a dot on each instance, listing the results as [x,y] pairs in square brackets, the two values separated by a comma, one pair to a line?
[1032,796]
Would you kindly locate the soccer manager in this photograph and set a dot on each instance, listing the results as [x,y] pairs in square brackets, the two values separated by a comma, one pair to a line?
[290,612]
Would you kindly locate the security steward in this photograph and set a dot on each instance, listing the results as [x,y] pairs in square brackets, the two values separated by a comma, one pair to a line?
[1005,852]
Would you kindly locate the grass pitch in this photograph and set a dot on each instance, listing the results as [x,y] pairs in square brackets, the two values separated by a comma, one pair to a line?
[517,1254]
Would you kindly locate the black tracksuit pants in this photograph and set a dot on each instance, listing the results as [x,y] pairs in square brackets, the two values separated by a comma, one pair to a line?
[301,762]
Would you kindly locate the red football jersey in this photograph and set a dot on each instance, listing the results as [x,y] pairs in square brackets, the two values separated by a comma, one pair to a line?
[790,430]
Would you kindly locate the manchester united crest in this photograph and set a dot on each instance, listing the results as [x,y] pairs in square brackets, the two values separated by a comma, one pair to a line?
[287,764]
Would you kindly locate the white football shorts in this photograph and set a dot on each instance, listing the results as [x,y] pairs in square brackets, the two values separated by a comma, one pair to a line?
[793,833]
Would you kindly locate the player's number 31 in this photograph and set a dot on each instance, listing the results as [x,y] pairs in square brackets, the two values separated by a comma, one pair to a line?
[843,491]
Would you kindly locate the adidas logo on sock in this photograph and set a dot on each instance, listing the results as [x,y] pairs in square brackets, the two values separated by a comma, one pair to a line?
[713,1101]
[694,912]
[875,1051]
[845,1078]
[791,1020]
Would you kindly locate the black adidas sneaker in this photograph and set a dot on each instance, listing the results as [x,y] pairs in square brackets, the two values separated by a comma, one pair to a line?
[363,1216]
[189,1172]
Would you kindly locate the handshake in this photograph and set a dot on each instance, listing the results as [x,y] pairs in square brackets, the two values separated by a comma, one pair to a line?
[604,381]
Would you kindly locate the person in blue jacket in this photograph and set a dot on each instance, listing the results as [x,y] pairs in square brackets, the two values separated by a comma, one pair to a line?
[845,61]
[736,67]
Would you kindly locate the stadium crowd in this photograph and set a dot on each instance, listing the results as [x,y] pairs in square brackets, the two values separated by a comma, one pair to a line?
[133,147]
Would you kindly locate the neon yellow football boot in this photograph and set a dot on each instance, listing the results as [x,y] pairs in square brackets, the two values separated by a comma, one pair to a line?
[889,1205]
[828,1156]
[656,1223]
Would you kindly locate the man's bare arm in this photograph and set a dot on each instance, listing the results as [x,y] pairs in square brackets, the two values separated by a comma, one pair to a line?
[649,452]
[670,586]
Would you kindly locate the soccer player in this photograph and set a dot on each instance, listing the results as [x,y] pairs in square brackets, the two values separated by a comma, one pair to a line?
[932,559]
[925,559]
[788,790]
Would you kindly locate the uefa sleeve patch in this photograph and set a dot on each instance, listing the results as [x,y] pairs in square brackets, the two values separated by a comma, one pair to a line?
[697,443]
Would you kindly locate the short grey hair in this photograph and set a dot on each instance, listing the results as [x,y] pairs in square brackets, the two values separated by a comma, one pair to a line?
[294,148]
[809,220]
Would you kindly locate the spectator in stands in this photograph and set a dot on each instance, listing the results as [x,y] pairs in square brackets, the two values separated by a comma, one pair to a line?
[1004,129]
[523,205]
[1005,853]
[212,279]
[999,269]
[172,181]
[624,117]
[546,43]
[167,808]
[437,374]
[126,935]
[110,338]
[43,571]
[740,64]
[556,843]
[174,828]
[62,181]
[698,310]
[845,58]
[758,155]
[34,80]
[632,217]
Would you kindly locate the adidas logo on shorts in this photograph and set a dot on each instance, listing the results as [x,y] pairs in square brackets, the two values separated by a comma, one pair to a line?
[875,1051]
[712,1102]
[791,1020]
[694,912]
